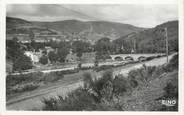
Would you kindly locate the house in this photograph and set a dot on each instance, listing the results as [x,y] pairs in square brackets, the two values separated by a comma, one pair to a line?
[49,49]
[40,40]
[88,56]
[71,58]
[23,38]
[35,56]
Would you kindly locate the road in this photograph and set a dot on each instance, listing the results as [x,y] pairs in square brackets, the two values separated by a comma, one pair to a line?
[73,66]
[32,100]
[70,67]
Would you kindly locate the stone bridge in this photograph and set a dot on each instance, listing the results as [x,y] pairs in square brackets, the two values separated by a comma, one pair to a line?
[134,57]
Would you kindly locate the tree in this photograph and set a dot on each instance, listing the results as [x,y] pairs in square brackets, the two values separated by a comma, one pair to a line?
[104,47]
[96,63]
[62,53]
[22,63]
[52,56]
[13,48]
[43,60]
[78,47]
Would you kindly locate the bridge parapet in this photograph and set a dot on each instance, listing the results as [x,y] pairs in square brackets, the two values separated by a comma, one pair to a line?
[135,57]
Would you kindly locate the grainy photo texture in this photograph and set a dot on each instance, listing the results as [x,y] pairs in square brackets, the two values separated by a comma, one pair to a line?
[73,57]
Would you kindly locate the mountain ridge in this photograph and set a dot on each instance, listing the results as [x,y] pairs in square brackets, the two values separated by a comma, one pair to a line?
[151,40]
[92,29]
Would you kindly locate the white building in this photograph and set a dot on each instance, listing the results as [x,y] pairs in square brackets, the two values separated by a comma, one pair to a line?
[35,56]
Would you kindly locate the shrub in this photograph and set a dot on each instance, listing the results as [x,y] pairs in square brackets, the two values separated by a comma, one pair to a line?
[23,82]
[171,89]
[53,76]
[97,94]
[102,93]
[31,81]
[68,71]
[150,58]
[79,65]
[142,75]
[43,60]
[86,68]
[121,85]
[24,87]
[137,76]
[173,64]
[170,92]
[23,78]
[53,57]
[78,100]
[96,63]
[87,80]
[103,67]
[22,63]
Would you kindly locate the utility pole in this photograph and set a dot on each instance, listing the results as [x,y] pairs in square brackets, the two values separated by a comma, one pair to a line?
[134,45]
[167,47]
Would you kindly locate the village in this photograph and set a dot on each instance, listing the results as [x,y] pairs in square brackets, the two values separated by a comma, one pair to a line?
[61,59]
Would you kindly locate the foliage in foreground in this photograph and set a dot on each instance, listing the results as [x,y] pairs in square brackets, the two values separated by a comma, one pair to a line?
[170,93]
[98,94]
[106,93]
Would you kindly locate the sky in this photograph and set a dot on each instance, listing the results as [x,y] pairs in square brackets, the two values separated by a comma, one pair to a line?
[138,15]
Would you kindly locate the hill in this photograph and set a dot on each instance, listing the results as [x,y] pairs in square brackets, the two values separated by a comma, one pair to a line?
[91,30]
[151,40]
[16,22]
[20,26]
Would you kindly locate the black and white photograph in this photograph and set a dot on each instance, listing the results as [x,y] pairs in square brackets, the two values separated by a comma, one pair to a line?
[92,57]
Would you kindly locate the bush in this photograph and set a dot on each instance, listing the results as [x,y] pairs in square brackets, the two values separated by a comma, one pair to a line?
[173,64]
[24,87]
[23,78]
[68,71]
[121,85]
[104,93]
[53,76]
[97,94]
[24,82]
[43,60]
[150,58]
[171,92]
[142,75]
[96,63]
[78,100]
[79,65]
[87,78]
[52,56]
[22,63]
[86,68]
[103,67]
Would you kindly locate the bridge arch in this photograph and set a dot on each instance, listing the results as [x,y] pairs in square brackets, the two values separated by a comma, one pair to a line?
[118,58]
[129,58]
[141,58]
